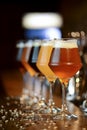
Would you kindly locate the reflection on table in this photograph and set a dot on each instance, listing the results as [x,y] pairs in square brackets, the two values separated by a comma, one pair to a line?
[16,116]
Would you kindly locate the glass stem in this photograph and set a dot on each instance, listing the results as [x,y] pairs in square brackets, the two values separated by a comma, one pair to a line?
[86,96]
[51,93]
[41,90]
[64,104]
[33,89]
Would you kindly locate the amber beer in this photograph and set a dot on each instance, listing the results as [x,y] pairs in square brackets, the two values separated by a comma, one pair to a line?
[43,60]
[19,51]
[29,58]
[65,59]
[25,57]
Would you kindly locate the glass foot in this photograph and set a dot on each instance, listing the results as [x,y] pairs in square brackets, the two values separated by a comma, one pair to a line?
[83,107]
[65,115]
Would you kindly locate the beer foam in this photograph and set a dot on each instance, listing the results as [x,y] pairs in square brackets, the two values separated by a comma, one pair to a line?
[20,45]
[65,43]
[29,43]
[37,42]
[47,42]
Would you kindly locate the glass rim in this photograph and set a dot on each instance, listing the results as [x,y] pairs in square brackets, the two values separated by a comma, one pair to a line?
[65,40]
[68,38]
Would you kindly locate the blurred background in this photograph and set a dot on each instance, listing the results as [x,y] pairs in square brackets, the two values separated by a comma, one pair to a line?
[74,13]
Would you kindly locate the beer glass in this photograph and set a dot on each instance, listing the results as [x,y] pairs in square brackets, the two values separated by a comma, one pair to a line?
[44,53]
[65,62]
[31,72]
[19,48]
[29,60]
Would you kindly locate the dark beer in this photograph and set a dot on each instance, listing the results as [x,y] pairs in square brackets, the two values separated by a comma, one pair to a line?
[33,58]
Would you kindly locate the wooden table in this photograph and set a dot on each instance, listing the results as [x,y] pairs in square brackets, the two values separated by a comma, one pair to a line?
[11,89]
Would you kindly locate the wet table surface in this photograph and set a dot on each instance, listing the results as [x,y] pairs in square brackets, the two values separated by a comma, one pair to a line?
[15,115]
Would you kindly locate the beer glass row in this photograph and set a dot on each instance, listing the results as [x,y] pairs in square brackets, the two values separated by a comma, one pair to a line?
[46,61]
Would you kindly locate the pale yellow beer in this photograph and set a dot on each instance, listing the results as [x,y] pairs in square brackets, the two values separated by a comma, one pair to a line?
[43,60]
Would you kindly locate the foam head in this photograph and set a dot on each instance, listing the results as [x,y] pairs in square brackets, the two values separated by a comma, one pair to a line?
[20,44]
[65,43]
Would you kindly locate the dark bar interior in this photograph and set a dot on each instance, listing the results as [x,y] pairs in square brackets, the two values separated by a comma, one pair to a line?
[13,80]
[74,18]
